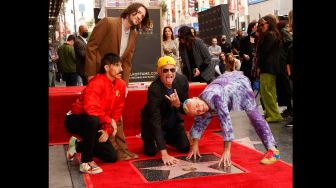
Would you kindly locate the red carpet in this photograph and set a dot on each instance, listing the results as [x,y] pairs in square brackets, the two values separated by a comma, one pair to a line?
[122,174]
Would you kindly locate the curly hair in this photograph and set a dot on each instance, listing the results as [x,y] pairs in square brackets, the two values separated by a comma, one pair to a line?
[133,9]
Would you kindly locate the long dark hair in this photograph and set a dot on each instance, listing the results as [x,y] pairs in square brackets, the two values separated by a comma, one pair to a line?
[133,8]
[250,27]
[185,33]
[164,37]
[272,29]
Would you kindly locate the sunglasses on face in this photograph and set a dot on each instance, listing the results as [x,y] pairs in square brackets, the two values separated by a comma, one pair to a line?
[171,70]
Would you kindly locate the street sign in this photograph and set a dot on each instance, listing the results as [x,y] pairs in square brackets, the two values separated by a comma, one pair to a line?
[81,7]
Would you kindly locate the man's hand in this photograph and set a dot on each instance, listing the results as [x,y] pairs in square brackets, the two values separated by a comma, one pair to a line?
[90,77]
[174,99]
[53,58]
[167,159]
[194,151]
[126,93]
[103,137]
[246,57]
[226,156]
[225,159]
[114,126]
[196,72]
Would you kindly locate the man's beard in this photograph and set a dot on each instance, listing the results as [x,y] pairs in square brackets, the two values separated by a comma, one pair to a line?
[130,21]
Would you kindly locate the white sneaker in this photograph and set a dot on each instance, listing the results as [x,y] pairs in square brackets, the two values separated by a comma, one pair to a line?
[87,168]
[290,124]
[72,148]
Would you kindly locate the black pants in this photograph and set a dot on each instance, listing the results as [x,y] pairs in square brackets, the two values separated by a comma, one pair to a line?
[71,79]
[87,127]
[284,92]
[246,67]
[84,80]
[175,137]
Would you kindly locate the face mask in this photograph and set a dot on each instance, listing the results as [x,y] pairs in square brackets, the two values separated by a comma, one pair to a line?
[85,34]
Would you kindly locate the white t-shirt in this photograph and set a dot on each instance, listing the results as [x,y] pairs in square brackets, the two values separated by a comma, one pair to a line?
[124,39]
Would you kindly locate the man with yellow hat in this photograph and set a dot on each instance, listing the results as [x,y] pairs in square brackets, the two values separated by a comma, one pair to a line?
[161,118]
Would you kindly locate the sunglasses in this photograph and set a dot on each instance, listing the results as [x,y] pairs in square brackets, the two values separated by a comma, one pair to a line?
[171,70]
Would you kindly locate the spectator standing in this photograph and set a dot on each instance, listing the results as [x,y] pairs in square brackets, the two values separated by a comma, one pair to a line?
[53,57]
[169,46]
[284,93]
[290,55]
[80,50]
[67,58]
[268,57]
[247,50]
[235,44]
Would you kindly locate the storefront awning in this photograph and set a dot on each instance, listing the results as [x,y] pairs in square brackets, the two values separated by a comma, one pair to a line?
[54,9]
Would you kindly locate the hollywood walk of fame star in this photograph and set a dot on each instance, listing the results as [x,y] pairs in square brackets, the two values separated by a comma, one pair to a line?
[184,167]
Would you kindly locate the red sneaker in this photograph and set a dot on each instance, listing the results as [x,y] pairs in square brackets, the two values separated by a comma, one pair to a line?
[270,157]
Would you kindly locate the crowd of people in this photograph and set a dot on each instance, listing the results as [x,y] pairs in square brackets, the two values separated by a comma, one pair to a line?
[103,64]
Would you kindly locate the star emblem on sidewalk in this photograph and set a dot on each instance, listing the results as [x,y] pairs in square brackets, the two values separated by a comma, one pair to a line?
[207,165]
[185,167]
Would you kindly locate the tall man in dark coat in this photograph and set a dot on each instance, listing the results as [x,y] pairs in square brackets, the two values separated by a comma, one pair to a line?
[161,118]
[195,56]
[80,48]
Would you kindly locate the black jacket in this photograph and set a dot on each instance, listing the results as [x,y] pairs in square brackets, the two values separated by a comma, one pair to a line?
[158,109]
[268,53]
[202,60]
[80,48]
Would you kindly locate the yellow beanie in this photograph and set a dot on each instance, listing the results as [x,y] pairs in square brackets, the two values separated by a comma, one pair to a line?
[165,60]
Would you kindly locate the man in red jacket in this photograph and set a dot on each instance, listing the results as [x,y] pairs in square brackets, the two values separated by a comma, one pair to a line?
[94,114]
[117,35]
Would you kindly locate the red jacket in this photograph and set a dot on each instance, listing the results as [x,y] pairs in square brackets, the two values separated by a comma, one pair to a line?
[102,98]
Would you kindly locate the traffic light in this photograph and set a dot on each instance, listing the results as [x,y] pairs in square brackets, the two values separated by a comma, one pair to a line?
[243,26]
[196,6]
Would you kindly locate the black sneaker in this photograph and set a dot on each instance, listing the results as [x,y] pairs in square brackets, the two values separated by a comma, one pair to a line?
[287,113]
